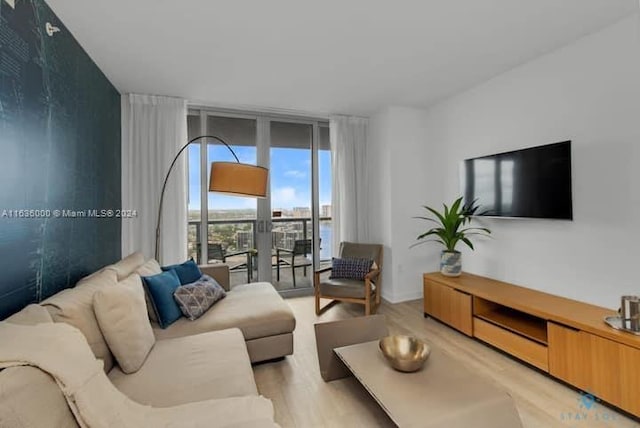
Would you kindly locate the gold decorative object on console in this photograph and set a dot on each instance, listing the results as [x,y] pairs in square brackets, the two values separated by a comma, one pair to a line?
[405,353]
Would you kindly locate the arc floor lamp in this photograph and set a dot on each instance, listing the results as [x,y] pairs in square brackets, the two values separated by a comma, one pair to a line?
[232,178]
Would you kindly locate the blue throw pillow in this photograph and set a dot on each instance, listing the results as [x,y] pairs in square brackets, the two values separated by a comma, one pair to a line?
[160,288]
[350,268]
[188,271]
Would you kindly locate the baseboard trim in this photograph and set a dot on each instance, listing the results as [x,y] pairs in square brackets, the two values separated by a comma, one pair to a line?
[403,297]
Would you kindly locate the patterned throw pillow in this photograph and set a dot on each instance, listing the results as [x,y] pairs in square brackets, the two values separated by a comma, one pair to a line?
[196,298]
[350,268]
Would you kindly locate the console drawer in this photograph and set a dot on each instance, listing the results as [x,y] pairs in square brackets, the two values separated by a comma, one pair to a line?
[449,306]
[527,350]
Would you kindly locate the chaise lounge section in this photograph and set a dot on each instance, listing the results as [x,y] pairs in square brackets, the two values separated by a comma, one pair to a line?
[266,321]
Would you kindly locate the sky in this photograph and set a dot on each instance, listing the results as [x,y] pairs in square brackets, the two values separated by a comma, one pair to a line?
[290,175]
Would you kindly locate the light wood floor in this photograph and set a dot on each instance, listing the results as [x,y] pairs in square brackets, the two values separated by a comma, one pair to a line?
[302,399]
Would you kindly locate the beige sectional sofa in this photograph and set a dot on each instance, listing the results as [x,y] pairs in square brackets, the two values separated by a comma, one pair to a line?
[191,361]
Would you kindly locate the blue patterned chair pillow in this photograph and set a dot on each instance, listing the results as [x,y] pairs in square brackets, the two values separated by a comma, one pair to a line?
[196,298]
[350,268]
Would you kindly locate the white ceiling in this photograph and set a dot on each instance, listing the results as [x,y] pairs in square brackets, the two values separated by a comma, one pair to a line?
[337,56]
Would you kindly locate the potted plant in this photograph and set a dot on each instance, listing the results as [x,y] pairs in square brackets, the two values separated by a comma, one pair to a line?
[450,232]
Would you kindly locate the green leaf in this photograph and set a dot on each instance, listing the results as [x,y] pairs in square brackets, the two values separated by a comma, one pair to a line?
[483,229]
[429,233]
[456,205]
[452,220]
[452,244]
[437,214]
[425,241]
[427,218]
[477,234]
[469,244]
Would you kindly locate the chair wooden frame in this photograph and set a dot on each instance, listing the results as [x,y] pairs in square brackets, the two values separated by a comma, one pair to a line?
[371,303]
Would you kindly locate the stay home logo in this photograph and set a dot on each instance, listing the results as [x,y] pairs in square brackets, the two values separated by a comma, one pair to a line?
[588,413]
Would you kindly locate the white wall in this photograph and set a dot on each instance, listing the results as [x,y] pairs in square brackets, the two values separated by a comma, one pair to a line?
[380,194]
[404,177]
[587,92]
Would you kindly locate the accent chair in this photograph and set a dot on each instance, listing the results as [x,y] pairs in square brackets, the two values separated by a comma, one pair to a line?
[364,292]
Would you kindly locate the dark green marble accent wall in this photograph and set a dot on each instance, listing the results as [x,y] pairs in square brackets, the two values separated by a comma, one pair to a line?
[59,150]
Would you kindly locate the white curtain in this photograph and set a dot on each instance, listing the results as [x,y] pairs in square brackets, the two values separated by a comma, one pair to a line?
[154,129]
[348,137]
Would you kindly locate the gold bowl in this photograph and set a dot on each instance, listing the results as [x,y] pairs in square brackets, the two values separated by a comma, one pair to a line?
[405,353]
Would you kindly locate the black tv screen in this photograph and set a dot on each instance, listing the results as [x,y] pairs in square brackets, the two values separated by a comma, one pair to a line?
[533,182]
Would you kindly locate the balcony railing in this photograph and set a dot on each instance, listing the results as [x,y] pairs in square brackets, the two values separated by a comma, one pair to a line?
[285,231]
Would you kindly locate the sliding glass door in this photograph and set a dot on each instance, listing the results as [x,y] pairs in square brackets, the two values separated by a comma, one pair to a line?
[323,195]
[280,239]
[291,202]
[227,224]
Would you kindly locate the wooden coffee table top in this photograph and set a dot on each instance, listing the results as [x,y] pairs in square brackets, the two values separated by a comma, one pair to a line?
[442,394]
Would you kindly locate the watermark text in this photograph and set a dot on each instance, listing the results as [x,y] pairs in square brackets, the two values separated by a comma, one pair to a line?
[67,213]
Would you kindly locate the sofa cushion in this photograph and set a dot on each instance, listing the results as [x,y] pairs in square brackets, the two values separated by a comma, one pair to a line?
[31,315]
[188,272]
[256,309]
[160,288]
[241,412]
[254,423]
[344,288]
[122,316]
[128,265]
[190,368]
[74,306]
[149,268]
[30,398]
[196,298]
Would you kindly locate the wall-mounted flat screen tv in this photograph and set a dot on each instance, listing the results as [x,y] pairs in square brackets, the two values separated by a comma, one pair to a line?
[533,182]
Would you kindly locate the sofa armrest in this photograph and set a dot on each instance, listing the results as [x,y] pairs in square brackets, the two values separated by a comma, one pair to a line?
[219,272]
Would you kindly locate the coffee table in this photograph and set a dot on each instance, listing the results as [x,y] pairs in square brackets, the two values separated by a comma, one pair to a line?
[442,394]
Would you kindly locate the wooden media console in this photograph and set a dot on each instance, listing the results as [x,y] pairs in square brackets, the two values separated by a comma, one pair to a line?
[563,337]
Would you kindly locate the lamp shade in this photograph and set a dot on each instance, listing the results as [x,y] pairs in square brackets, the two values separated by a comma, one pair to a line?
[238,179]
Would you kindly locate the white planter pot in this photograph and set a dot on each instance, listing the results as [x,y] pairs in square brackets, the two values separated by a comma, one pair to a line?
[451,263]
